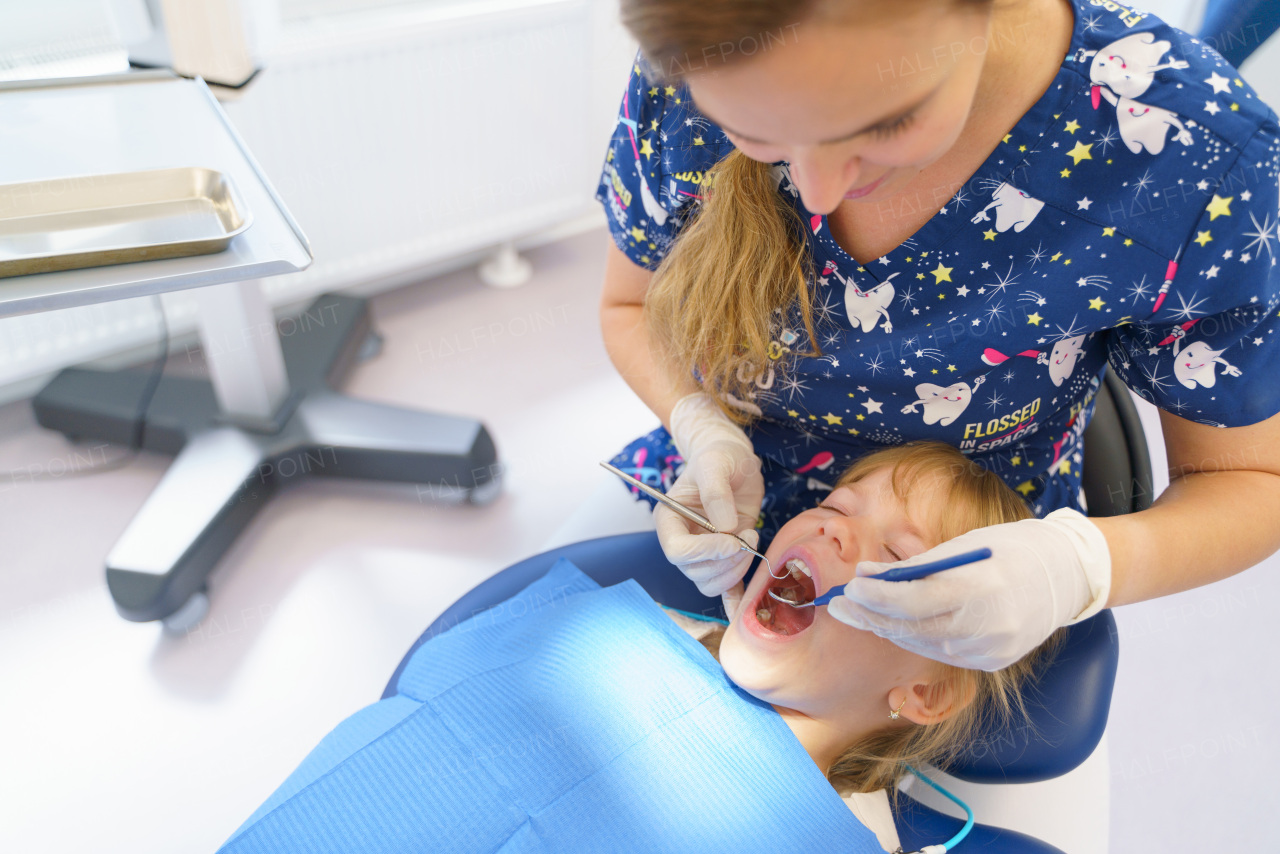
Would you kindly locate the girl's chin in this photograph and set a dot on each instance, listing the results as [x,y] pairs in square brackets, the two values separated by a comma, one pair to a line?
[752,669]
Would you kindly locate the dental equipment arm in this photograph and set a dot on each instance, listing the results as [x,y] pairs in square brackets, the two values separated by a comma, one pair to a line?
[1043,574]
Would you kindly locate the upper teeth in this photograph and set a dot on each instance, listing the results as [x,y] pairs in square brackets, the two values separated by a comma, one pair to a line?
[797,566]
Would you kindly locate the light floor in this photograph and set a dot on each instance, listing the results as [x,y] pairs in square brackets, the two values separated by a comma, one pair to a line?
[118,738]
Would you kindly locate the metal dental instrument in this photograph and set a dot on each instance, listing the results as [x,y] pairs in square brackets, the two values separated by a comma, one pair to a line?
[692,515]
[897,573]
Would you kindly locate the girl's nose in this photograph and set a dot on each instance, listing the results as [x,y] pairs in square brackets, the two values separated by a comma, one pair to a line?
[822,179]
[847,532]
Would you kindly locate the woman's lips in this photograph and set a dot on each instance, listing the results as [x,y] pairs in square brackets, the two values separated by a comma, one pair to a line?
[862,191]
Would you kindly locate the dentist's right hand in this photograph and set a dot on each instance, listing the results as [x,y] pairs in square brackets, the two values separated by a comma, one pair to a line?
[722,481]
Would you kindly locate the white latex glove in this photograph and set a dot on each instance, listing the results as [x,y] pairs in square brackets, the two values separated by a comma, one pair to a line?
[1042,574]
[722,481]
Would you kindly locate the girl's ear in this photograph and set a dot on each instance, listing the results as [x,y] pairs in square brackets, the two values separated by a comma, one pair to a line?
[933,702]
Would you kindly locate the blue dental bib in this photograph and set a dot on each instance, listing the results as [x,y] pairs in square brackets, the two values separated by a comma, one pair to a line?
[568,718]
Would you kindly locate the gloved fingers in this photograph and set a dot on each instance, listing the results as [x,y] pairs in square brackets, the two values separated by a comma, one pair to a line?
[686,543]
[751,535]
[929,639]
[732,600]
[905,632]
[924,598]
[714,577]
[715,489]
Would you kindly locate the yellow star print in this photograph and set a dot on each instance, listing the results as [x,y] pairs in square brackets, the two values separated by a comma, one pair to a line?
[1006,137]
[1073,126]
[1065,173]
[1035,318]
[1202,237]
[832,420]
[988,235]
[1015,460]
[793,413]
[1064,467]
[1096,303]
[1109,231]
[1080,152]
[697,140]
[861,417]
[951,367]
[1128,242]
[669,91]
[1025,488]
[1056,256]
[645,148]
[653,93]
[637,234]
[942,274]
[1219,206]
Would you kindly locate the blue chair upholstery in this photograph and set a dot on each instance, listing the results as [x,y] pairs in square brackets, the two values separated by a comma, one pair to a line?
[1236,28]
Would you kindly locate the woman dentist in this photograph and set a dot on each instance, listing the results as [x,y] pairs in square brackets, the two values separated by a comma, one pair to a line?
[844,224]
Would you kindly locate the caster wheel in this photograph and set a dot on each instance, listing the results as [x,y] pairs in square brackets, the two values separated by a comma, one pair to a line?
[189,615]
[485,493]
[370,347]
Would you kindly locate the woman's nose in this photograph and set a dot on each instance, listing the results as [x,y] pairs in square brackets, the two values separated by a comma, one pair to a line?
[823,179]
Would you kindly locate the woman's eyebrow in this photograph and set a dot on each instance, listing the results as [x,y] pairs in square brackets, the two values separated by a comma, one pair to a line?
[884,121]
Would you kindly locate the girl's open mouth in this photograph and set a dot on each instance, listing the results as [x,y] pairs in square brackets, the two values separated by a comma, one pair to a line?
[774,620]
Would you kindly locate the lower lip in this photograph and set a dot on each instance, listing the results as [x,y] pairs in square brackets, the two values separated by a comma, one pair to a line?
[859,193]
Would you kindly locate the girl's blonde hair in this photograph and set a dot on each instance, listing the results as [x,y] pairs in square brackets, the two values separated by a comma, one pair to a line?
[740,269]
[974,497]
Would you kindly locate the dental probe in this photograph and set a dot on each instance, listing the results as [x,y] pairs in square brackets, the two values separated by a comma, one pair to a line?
[898,573]
[692,515]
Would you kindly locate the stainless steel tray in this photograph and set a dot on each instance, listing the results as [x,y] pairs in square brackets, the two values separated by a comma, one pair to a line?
[97,220]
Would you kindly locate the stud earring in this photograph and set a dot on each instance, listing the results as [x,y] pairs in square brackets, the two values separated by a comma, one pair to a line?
[896,713]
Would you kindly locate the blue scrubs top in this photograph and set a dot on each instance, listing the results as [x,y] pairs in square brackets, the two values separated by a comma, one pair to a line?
[1129,218]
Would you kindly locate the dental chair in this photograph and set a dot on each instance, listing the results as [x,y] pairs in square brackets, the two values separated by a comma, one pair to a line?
[1068,709]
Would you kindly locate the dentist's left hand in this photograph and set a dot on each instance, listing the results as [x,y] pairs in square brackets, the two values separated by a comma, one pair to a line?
[1042,574]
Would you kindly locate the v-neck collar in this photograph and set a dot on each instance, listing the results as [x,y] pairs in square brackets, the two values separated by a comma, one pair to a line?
[996,169]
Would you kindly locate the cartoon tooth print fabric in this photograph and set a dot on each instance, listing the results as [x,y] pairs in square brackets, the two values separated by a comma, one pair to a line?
[1129,217]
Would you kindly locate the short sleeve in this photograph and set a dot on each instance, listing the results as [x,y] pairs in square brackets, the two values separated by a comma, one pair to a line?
[655,166]
[1210,351]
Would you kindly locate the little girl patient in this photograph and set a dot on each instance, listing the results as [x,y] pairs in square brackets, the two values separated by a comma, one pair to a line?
[862,707]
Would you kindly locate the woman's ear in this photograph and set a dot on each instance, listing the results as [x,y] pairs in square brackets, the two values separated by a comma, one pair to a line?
[933,702]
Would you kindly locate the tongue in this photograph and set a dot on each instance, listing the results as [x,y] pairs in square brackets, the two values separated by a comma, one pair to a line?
[790,621]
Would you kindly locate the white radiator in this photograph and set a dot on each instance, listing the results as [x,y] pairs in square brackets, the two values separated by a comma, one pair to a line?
[404,142]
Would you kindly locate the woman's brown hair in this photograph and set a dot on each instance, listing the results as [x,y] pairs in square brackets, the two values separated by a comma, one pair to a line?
[740,267]
[974,497]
